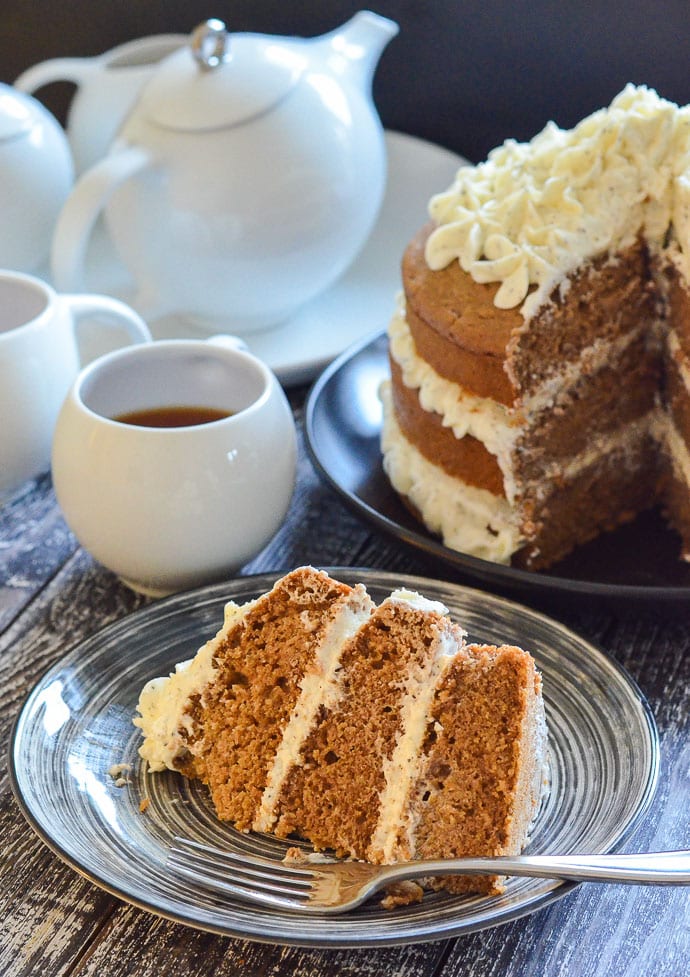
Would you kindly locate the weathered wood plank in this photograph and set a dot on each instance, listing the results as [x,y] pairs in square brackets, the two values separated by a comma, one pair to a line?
[48,912]
[34,543]
[163,947]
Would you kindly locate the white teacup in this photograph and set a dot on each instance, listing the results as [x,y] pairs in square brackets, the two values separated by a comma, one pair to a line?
[107,87]
[39,359]
[169,508]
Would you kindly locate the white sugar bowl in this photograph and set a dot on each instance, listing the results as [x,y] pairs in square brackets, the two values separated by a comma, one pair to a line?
[36,176]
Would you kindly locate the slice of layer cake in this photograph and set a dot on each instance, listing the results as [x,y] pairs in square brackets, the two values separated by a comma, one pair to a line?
[483,768]
[539,389]
[377,732]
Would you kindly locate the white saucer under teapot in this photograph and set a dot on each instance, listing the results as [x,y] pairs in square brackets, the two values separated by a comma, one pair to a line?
[244,181]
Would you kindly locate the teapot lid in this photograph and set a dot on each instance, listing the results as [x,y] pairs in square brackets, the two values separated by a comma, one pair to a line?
[220,80]
[17,115]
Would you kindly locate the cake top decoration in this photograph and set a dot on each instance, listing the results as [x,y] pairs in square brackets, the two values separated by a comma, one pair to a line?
[531,212]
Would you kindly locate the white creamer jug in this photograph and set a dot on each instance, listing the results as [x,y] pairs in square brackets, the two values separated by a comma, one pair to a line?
[106,88]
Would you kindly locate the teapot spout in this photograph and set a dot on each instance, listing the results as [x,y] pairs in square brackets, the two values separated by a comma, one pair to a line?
[354,49]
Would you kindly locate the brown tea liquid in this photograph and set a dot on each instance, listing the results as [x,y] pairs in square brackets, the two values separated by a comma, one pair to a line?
[178,416]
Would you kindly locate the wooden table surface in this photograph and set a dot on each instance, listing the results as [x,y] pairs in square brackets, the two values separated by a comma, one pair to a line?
[55,922]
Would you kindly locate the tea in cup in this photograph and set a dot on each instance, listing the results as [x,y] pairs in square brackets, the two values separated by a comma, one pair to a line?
[39,359]
[174,463]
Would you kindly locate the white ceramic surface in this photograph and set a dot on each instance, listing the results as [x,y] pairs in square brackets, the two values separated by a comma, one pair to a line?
[358,304]
[171,508]
[218,195]
[107,87]
[39,359]
[36,175]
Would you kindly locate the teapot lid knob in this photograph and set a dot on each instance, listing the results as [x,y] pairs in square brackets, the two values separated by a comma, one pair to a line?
[210,44]
[220,80]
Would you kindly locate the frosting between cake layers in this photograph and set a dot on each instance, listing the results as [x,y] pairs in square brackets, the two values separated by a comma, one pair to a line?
[666,433]
[533,212]
[675,350]
[678,451]
[401,769]
[494,424]
[621,440]
[419,602]
[164,701]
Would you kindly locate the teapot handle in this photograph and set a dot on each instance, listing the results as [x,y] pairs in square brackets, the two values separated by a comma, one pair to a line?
[81,210]
[74,70]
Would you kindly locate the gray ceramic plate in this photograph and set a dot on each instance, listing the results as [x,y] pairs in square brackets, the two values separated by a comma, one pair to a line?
[77,724]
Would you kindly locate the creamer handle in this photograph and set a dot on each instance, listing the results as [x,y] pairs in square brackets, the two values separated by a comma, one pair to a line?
[79,214]
[56,69]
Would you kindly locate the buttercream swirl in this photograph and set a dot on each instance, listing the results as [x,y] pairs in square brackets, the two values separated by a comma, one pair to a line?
[532,212]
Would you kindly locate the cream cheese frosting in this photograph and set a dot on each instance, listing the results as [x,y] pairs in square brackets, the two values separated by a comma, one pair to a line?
[402,768]
[532,212]
[162,709]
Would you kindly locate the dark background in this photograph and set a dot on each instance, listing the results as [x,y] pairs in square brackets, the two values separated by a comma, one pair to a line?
[464,74]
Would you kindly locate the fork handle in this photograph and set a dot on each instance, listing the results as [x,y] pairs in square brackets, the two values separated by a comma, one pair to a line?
[656,868]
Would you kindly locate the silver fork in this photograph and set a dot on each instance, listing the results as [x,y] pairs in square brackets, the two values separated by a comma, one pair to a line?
[336,886]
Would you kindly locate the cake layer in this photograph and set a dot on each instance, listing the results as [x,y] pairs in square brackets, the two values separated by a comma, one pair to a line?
[455,325]
[612,296]
[465,458]
[489,711]
[622,481]
[590,411]
[468,519]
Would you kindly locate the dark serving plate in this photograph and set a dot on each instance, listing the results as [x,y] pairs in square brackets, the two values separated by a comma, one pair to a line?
[637,563]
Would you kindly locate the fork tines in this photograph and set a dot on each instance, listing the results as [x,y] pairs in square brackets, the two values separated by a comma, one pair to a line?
[241,874]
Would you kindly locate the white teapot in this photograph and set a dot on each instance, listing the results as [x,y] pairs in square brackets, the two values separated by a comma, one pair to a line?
[245,180]
[36,176]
